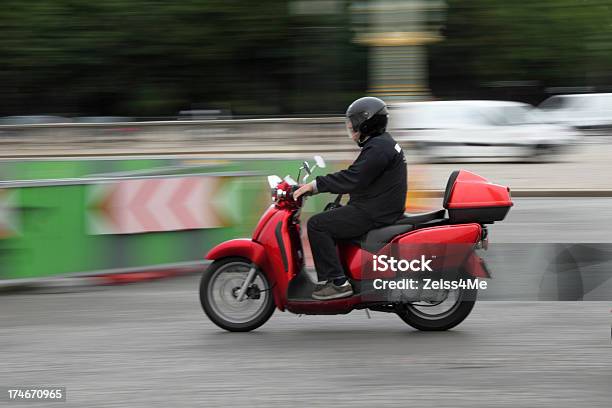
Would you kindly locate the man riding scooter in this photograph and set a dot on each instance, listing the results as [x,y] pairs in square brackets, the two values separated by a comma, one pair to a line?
[376,183]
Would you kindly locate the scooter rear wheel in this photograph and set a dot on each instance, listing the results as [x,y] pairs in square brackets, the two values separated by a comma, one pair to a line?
[218,296]
[428,318]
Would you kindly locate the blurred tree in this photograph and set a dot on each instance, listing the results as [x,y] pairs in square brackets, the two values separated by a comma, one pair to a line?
[152,57]
[493,46]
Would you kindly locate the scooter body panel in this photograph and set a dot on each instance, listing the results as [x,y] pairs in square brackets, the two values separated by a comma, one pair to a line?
[280,240]
[448,245]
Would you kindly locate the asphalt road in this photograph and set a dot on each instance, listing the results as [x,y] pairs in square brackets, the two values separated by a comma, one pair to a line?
[149,345]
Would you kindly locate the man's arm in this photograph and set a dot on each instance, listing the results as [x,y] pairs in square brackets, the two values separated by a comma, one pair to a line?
[369,165]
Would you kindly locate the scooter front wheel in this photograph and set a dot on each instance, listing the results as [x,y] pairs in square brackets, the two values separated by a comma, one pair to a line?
[438,317]
[220,291]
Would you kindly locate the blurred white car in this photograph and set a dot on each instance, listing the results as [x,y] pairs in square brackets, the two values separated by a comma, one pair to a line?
[442,130]
[584,111]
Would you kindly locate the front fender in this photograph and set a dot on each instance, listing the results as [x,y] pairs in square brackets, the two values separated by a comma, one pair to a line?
[242,247]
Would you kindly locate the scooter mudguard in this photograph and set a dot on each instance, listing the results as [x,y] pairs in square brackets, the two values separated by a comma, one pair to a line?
[242,247]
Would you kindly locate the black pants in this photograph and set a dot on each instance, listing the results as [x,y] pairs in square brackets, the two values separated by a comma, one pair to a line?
[325,228]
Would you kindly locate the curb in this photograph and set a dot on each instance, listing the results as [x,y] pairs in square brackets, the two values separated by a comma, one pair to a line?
[544,193]
[143,276]
[121,276]
[561,193]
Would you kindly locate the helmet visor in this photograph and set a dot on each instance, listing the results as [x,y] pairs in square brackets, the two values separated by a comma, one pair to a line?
[349,129]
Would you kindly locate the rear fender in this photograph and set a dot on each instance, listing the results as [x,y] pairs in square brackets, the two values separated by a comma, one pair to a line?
[476,267]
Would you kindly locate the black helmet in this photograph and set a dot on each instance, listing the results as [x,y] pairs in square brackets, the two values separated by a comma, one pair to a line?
[368,115]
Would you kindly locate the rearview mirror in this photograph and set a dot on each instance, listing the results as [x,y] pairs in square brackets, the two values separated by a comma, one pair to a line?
[274,181]
[320,162]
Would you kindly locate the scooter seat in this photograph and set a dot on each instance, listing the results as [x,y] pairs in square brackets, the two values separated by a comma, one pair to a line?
[416,219]
[377,238]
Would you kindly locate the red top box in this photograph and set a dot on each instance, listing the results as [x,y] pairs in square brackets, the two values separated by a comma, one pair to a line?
[472,198]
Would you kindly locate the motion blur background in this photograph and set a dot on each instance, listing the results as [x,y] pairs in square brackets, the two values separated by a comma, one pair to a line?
[152,59]
[135,135]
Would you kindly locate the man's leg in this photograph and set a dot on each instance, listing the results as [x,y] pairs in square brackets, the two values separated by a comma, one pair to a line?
[327,227]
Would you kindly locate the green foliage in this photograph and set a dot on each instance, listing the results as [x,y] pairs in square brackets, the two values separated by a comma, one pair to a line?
[547,42]
[150,57]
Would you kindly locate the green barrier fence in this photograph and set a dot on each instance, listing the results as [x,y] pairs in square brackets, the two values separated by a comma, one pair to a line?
[48,227]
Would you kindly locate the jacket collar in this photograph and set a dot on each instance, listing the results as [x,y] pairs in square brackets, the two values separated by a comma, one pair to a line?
[367,139]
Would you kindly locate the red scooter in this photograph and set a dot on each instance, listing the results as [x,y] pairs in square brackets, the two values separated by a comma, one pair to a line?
[249,277]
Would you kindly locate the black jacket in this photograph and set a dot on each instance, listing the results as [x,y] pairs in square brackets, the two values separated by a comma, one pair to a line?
[376,181]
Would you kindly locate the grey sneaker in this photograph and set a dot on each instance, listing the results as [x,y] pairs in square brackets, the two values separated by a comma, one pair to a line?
[319,285]
[330,291]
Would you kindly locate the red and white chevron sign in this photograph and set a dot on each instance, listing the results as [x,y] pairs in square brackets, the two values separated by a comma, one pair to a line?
[158,204]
